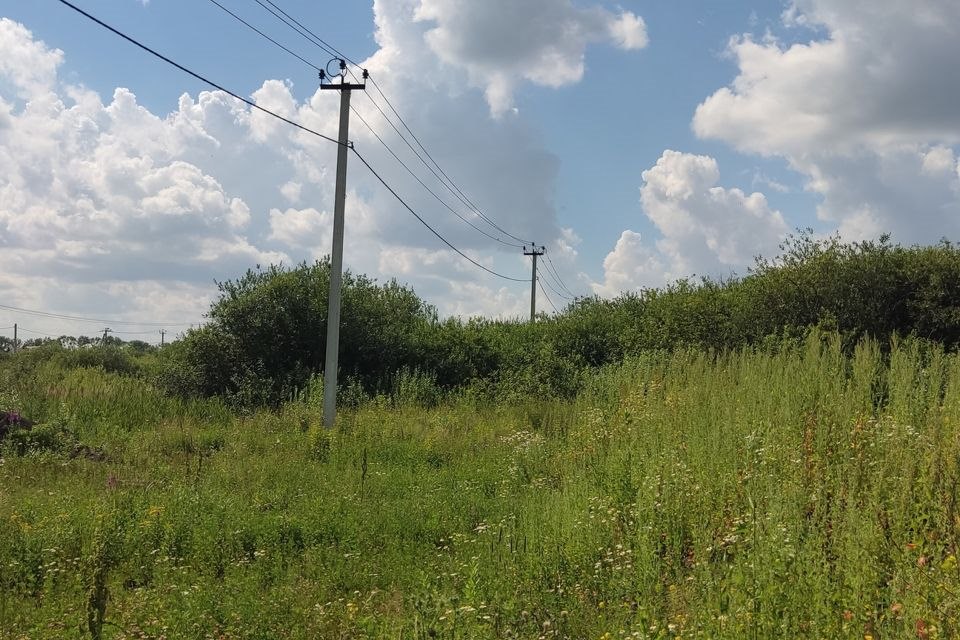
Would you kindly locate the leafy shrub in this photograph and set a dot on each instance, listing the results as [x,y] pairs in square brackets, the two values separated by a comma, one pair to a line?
[54,436]
[267,331]
[111,359]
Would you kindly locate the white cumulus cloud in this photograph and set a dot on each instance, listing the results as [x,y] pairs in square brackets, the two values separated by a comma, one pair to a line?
[117,204]
[704,228]
[501,42]
[866,109]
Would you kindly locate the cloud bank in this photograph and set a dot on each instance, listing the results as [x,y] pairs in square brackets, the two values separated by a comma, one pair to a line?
[109,209]
[704,228]
[862,104]
[866,111]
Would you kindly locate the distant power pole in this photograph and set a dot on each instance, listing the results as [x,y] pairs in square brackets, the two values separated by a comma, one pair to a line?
[534,252]
[336,261]
[163,334]
[14,337]
[105,332]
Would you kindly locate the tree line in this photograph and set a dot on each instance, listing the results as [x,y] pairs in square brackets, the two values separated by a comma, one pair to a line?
[264,339]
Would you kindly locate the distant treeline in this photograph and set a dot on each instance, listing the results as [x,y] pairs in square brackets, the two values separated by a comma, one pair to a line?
[264,341]
[266,332]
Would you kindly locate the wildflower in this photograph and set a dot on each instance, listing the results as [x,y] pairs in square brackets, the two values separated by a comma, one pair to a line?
[950,563]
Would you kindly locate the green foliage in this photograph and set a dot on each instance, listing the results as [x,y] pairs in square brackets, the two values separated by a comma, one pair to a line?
[113,358]
[800,488]
[267,331]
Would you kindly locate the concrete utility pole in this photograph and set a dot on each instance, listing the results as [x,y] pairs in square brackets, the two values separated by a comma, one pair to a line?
[14,337]
[534,252]
[336,260]
[163,334]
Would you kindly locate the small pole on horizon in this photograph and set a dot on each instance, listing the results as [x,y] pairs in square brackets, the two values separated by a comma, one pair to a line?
[534,252]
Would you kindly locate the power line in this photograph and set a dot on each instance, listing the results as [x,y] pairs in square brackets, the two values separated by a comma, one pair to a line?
[558,290]
[441,176]
[61,316]
[307,33]
[552,288]
[427,225]
[294,54]
[453,186]
[543,291]
[556,272]
[290,122]
[304,31]
[48,335]
[213,84]
[370,127]
[132,333]
[424,185]
[39,333]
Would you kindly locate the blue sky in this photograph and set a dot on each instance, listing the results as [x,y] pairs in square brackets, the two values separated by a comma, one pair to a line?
[695,136]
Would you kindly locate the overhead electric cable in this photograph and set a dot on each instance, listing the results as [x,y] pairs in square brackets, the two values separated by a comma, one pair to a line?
[555,278]
[326,46]
[292,123]
[555,289]
[293,53]
[442,177]
[425,186]
[544,292]
[305,31]
[552,288]
[39,333]
[427,225]
[213,84]
[556,272]
[133,333]
[61,316]
[454,186]
[378,137]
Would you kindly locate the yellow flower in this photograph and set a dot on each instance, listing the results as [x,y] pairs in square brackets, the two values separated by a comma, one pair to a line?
[950,564]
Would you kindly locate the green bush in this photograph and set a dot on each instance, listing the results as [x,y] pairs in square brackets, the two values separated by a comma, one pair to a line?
[267,331]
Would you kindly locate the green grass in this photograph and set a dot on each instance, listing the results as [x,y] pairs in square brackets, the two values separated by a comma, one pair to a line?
[789,492]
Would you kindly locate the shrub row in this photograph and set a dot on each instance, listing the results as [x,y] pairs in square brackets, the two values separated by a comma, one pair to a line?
[266,334]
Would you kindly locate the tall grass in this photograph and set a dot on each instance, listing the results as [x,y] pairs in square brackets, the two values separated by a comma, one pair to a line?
[787,491]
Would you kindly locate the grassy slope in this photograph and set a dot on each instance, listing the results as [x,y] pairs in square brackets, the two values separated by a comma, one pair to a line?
[792,494]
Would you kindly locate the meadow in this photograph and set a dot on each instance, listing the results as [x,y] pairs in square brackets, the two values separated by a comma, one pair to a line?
[798,489]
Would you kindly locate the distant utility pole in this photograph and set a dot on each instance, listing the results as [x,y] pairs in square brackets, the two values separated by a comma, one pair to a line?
[105,332]
[534,252]
[163,333]
[14,337]
[336,264]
